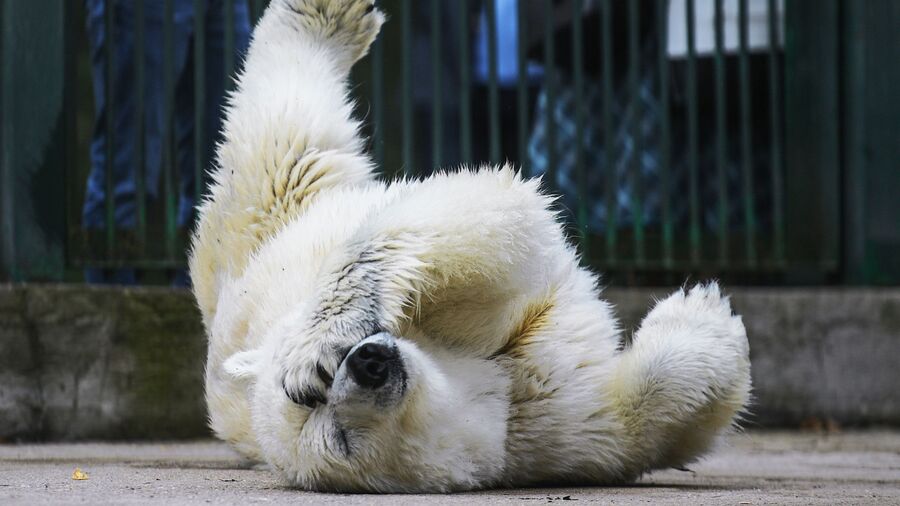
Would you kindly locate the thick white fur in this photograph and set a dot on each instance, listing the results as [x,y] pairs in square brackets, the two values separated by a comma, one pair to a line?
[513,372]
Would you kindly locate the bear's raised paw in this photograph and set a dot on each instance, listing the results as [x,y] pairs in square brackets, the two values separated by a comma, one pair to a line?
[347,25]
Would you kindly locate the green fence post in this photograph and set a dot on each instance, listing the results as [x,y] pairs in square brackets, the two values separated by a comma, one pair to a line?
[465,82]
[378,101]
[608,141]
[581,215]
[812,141]
[522,93]
[634,170]
[32,140]
[550,85]
[665,139]
[493,87]
[693,140]
[140,118]
[200,77]
[409,164]
[775,136]
[437,102]
[721,136]
[746,135]
[871,134]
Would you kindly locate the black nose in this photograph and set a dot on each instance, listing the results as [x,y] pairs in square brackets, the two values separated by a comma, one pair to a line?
[369,365]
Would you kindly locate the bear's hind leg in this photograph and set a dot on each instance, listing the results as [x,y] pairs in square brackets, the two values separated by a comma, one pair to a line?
[685,379]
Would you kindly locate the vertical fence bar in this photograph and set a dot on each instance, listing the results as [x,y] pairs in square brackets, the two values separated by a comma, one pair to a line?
[581,178]
[109,52]
[199,100]
[437,103]
[256,10]
[140,127]
[550,84]
[665,133]
[168,165]
[775,126]
[228,45]
[465,81]
[73,13]
[693,190]
[407,106]
[746,140]
[8,199]
[378,99]
[721,133]
[813,131]
[610,195]
[490,8]
[522,90]
[634,62]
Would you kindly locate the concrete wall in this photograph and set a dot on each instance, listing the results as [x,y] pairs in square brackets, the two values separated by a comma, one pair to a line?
[817,354]
[110,363]
[100,363]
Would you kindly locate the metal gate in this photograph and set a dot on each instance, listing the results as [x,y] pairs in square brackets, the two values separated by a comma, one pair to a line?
[725,138]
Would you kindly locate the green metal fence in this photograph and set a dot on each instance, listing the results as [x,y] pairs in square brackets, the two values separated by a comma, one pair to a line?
[762,141]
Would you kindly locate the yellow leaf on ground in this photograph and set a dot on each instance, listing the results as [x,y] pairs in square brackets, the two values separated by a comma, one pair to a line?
[78,474]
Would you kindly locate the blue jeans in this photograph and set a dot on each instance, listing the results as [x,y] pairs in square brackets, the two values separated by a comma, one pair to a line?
[124,99]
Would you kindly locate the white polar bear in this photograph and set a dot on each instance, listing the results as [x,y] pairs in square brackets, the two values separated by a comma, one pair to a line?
[432,335]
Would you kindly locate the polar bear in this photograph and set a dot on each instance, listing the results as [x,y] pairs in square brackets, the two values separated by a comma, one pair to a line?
[424,335]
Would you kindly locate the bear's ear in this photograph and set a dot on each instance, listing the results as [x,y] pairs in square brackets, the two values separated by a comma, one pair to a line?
[244,364]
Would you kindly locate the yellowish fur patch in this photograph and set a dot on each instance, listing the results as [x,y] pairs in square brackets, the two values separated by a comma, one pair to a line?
[536,317]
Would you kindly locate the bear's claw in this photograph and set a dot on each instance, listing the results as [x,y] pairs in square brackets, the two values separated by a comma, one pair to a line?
[308,369]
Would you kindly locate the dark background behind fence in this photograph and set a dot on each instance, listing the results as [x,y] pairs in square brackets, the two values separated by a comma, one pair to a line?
[773,166]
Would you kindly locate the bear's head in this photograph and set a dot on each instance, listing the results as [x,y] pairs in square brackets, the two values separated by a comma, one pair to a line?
[400,416]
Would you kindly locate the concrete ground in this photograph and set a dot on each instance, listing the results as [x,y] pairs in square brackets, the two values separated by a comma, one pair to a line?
[755,468]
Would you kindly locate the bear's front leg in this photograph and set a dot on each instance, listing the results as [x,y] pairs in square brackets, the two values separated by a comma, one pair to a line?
[484,234]
[346,27]
[363,293]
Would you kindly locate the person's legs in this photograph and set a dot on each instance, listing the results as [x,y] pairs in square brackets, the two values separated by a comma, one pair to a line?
[183,121]
[215,84]
[122,166]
